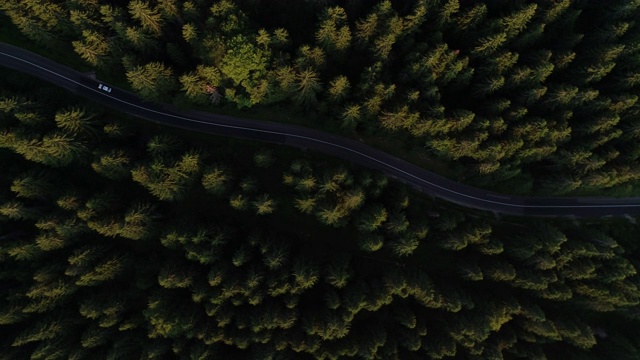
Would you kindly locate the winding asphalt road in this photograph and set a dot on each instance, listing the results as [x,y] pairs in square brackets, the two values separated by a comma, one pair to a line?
[351,150]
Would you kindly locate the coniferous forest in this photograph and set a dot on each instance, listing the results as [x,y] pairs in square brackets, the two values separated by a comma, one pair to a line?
[123,239]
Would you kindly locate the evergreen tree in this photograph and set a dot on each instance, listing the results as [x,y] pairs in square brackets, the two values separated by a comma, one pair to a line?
[551,106]
[93,48]
[373,218]
[153,81]
[141,40]
[114,165]
[350,117]
[201,85]
[76,121]
[308,85]
[33,185]
[339,89]
[215,180]
[338,271]
[169,182]
[334,33]
[149,18]
[264,205]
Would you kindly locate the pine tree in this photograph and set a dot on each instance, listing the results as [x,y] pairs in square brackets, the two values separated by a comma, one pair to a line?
[55,149]
[401,118]
[114,165]
[308,85]
[216,179]
[306,184]
[169,10]
[334,34]
[306,205]
[472,17]
[49,241]
[370,242]
[190,33]
[515,23]
[305,272]
[34,185]
[48,292]
[450,8]
[18,211]
[76,121]
[175,276]
[95,336]
[351,116]
[405,245]
[141,40]
[149,18]
[264,205]
[263,158]
[413,21]
[38,21]
[373,218]
[339,89]
[93,48]
[201,85]
[490,44]
[169,182]
[139,222]
[153,81]
[367,28]
[310,58]
[338,272]
[239,202]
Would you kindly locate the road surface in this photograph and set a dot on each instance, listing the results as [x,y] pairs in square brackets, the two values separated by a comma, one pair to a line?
[351,150]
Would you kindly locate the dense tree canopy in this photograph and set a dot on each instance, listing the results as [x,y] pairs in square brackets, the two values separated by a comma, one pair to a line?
[148,244]
[522,96]
[123,240]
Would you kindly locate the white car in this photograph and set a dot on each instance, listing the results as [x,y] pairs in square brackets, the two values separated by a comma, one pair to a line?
[104,87]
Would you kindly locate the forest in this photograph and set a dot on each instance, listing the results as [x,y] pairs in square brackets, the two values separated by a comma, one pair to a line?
[519,96]
[122,239]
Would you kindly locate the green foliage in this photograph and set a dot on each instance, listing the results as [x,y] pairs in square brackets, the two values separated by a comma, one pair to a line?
[245,64]
[338,271]
[264,205]
[308,85]
[200,85]
[152,81]
[344,265]
[169,181]
[339,89]
[33,185]
[138,222]
[263,158]
[113,165]
[385,67]
[334,33]
[373,218]
[93,48]
[256,285]
[215,180]
[148,17]
[370,242]
[350,117]
[406,245]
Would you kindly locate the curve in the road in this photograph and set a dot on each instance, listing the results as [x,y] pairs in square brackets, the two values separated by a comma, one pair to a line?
[300,137]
